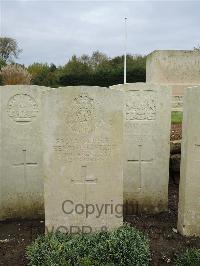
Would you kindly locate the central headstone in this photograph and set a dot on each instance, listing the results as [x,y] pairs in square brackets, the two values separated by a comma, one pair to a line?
[83,129]
[146,143]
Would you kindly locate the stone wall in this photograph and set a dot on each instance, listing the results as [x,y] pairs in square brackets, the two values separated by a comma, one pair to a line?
[178,68]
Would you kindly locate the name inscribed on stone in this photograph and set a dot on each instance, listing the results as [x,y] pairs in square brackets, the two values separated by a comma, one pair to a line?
[22,108]
[99,149]
[80,142]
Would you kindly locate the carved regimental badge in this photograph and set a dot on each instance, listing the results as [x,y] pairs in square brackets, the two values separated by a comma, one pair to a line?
[141,106]
[80,117]
[22,108]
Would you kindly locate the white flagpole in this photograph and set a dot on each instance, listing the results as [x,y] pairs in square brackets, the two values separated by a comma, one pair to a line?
[125,52]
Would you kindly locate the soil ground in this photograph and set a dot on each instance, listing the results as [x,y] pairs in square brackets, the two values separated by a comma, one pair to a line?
[176,131]
[166,244]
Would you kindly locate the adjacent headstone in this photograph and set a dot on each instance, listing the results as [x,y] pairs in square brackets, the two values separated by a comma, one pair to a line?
[178,68]
[21,185]
[82,133]
[147,146]
[189,190]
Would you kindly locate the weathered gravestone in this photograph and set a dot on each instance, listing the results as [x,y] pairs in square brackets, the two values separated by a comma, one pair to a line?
[21,185]
[82,132]
[189,190]
[177,68]
[146,141]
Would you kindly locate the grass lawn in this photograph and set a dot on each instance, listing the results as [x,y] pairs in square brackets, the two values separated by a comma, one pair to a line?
[177,117]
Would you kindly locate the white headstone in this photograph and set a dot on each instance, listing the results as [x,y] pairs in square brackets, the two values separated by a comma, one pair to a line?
[189,190]
[82,132]
[21,182]
[146,141]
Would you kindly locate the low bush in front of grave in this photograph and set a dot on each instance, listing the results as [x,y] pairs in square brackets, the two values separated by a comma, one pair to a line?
[123,246]
[189,258]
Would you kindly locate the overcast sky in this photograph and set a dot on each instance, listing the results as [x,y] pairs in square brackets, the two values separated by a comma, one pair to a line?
[52,31]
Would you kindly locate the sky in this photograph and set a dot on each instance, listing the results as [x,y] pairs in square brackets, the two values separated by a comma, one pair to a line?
[53,31]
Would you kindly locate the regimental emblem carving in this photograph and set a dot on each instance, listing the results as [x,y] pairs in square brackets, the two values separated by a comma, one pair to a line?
[141,106]
[22,108]
[81,115]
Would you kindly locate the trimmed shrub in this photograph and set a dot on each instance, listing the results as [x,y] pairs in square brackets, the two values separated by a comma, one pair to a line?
[189,258]
[15,74]
[123,246]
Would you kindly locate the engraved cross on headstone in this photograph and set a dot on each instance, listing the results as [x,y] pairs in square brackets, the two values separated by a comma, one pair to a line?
[84,178]
[24,163]
[140,162]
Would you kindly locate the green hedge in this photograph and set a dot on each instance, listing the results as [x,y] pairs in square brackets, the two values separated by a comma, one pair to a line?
[123,246]
[189,258]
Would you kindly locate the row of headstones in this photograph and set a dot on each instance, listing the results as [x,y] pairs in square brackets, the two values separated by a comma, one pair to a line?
[100,152]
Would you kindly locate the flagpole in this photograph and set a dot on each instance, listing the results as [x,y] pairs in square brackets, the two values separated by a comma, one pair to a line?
[125,49]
